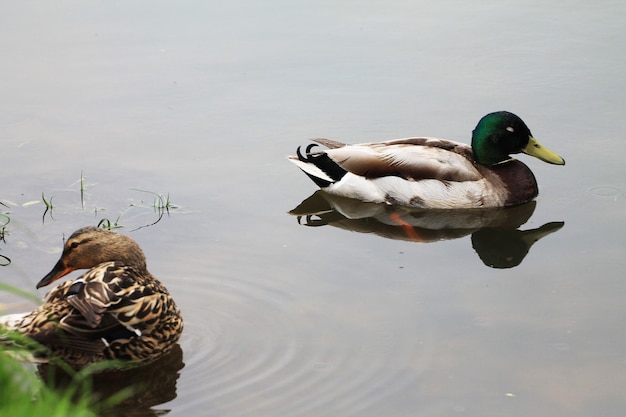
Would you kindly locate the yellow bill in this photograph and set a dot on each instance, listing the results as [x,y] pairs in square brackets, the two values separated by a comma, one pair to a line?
[537,150]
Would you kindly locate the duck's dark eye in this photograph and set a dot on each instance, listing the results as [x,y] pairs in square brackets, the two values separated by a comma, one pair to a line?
[73,245]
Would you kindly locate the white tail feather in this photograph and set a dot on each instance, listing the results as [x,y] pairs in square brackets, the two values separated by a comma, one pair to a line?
[311,169]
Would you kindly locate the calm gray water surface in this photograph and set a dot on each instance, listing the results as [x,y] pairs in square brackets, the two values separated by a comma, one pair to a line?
[203,101]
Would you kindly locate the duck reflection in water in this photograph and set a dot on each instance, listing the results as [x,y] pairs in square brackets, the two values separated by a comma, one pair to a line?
[142,388]
[496,237]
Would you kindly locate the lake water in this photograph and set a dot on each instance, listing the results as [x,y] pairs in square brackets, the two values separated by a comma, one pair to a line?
[358,316]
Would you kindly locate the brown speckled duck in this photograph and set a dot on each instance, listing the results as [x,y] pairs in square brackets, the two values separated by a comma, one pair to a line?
[433,173]
[116,310]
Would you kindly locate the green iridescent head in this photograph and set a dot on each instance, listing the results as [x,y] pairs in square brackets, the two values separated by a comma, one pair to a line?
[500,134]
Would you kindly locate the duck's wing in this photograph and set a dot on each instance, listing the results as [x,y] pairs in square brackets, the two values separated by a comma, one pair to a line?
[412,159]
[108,302]
[329,143]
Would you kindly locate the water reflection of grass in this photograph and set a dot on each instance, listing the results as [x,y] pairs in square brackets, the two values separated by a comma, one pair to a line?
[4,221]
[49,207]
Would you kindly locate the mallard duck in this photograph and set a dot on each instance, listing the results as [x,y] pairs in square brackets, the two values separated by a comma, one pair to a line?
[433,173]
[116,310]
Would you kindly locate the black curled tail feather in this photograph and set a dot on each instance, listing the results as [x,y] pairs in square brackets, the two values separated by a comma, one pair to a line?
[307,157]
[322,161]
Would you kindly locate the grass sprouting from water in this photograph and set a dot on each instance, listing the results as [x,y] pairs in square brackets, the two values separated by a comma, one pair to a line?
[106,223]
[49,208]
[4,221]
[48,203]
[82,190]
[162,206]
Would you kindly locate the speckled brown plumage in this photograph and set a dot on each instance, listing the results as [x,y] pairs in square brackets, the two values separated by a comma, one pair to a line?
[116,310]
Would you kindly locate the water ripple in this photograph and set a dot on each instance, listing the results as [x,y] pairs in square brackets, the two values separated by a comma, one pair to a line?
[253,348]
[605,191]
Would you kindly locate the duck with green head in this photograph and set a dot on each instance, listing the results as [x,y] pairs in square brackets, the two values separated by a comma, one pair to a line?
[432,173]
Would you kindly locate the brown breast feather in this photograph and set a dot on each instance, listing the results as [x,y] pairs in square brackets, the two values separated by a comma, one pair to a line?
[517,179]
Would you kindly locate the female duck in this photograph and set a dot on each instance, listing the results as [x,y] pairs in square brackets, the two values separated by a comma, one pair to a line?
[433,173]
[116,310]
